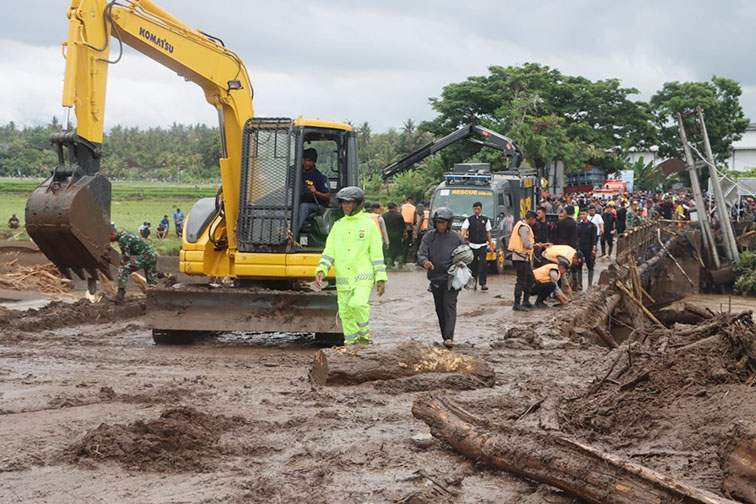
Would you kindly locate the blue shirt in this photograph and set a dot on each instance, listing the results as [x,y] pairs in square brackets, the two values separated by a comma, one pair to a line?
[178,217]
[320,182]
[165,222]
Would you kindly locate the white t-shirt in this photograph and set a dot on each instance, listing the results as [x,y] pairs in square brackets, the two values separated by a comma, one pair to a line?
[466,226]
[598,221]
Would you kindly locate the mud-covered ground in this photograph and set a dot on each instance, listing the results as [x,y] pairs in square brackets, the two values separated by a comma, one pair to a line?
[92,411]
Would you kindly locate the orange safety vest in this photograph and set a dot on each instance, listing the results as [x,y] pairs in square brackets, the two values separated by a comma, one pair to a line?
[409,213]
[515,242]
[377,223]
[542,274]
[424,225]
[553,253]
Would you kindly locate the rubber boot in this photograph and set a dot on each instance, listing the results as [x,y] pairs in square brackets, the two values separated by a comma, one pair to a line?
[517,296]
[526,302]
[590,279]
[120,296]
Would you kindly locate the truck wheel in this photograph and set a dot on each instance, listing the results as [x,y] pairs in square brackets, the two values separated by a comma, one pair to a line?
[329,339]
[168,337]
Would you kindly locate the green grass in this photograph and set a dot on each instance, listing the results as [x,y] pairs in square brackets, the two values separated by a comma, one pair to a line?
[132,204]
[123,190]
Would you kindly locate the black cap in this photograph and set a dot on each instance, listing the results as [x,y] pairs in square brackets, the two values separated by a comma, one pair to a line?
[311,154]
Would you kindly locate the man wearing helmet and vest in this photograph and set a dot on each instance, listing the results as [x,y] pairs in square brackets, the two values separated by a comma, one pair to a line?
[435,255]
[547,279]
[355,250]
[522,244]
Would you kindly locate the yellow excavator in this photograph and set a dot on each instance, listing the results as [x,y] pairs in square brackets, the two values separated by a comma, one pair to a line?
[249,233]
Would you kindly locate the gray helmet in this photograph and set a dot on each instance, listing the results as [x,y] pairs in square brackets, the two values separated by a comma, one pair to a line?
[351,193]
[443,213]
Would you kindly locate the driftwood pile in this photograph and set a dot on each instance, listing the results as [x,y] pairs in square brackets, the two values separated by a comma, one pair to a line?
[579,469]
[644,378]
[42,278]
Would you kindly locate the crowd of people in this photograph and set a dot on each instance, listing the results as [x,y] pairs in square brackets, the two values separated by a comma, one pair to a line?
[550,247]
[164,226]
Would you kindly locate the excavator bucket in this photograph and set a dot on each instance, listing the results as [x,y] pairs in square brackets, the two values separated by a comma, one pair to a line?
[201,308]
[69,222]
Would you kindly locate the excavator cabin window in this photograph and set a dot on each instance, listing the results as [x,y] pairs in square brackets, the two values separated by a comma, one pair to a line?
[331,149]
[334,161]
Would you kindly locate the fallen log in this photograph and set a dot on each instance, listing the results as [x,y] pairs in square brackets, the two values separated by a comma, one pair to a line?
[697,310]
[576,468]
[739,464]
[354,364]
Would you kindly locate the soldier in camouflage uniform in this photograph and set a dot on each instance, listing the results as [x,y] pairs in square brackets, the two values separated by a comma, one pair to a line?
[136,254]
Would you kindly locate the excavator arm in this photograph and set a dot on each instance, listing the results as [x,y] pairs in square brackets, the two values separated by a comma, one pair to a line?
[492,139]
[68,215]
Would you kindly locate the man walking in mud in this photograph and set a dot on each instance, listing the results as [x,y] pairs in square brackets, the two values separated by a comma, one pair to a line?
[436,255]
[354,248]
[136,254]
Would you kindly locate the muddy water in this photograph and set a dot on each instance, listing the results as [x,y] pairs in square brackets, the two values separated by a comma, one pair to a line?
[719,302]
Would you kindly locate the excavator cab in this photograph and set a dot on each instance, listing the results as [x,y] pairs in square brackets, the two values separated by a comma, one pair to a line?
[273,187]
[271,251]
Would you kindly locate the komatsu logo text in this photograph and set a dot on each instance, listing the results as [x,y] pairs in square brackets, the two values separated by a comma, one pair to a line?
[160,42]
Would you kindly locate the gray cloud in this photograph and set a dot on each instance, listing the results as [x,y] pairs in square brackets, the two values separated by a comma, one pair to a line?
[381,61]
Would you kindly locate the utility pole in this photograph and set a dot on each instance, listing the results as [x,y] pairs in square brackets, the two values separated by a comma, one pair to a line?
[728,235]
[703,219]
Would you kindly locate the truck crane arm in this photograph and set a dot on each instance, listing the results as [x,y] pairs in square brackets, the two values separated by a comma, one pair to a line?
[68,215]
[492,139]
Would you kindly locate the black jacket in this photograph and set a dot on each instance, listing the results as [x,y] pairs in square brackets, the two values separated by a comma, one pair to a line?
[587,237]
[610,222]
[541,231]
[437,249]
[394,225]
[566,232]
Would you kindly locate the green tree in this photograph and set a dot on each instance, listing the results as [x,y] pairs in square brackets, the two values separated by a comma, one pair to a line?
[647,176]
[549,115]
[725,121]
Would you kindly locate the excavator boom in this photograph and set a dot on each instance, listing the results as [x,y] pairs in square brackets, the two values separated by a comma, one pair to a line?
[492,139]
[68,215]
[248,232]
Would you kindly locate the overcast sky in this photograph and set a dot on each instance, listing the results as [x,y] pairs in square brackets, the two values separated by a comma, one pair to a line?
[380,61]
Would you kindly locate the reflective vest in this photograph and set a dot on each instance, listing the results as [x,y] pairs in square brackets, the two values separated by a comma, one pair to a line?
[375,216]
[409,213]
[553,253]
[424,225]
[515,241]
[542,274]
[355,250]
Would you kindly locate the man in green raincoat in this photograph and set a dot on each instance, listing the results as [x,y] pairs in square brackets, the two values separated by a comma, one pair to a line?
[354,248]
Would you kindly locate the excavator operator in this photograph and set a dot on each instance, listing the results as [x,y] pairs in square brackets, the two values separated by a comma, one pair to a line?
[315,193]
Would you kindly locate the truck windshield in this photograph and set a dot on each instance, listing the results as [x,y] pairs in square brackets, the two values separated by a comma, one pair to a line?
[460,201]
